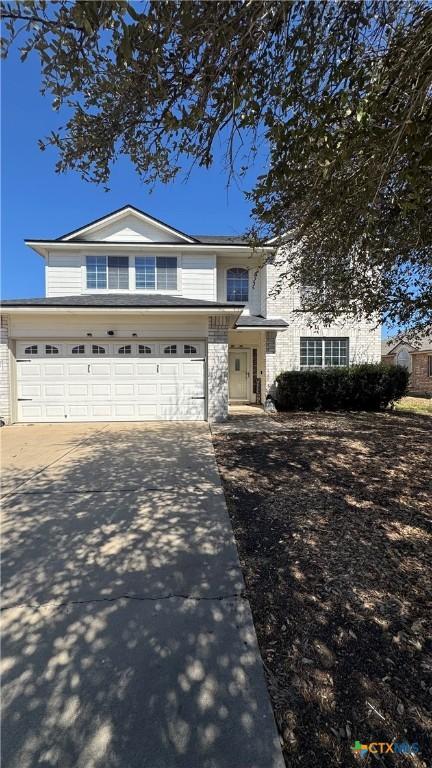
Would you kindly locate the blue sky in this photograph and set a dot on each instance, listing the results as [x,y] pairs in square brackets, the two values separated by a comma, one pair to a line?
[38,203]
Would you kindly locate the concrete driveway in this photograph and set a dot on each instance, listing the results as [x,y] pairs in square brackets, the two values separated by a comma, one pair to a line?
[127,639]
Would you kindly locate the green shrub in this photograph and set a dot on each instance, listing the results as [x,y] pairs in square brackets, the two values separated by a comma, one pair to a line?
[366,387]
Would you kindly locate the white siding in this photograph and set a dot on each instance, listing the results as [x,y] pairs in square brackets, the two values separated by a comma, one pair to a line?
[5,412]
[198,276]
[62,325]
[254,305]
[63,275]
[131,229]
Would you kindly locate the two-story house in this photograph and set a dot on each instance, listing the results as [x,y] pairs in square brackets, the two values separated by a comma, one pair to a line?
[144,322]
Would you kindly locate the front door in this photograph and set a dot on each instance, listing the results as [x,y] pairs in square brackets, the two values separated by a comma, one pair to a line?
[238,374]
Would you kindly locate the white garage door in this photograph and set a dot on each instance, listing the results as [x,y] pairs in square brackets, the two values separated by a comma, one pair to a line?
[98,381]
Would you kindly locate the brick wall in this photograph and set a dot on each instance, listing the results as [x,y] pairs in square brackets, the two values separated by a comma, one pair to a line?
[364,339]
[420,381]
[217,367]
[5,413]
[271,342]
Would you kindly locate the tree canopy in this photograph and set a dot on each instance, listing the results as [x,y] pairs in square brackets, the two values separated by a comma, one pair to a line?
[337,93]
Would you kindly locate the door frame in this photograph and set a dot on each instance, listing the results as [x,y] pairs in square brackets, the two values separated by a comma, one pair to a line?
[248,398]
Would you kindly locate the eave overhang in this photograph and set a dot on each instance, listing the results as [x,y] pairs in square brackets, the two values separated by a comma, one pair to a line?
[42,247]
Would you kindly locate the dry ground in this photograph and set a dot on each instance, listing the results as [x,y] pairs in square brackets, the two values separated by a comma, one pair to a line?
[333,524]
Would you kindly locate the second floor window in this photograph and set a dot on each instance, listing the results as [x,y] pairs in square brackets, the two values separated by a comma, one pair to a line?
[108,272]
[156,273]
[237,284]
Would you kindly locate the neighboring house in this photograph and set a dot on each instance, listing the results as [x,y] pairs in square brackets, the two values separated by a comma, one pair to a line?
[416,356]
[142,321]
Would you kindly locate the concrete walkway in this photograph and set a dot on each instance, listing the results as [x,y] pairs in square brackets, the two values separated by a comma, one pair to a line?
[248,418]
[127,640]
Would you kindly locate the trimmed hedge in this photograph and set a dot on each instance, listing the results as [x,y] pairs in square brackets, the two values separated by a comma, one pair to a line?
[366,387]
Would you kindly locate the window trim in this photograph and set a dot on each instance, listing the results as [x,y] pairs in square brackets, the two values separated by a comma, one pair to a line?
[132,274]
[54,349]
[227,269]
[170,346]
[31,350]
[429,366]
[323,340]
[78,347]
[97,346]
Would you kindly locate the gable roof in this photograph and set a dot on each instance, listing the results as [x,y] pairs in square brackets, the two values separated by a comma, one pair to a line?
[390,346]
[118,214]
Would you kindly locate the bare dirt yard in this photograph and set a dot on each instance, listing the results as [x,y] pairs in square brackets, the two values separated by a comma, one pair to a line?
[333,524]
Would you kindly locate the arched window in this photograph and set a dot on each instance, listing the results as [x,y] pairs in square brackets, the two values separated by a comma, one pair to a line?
[97,350]
[33,350]
[126,350]
[143,349]
[403,358]
[171,349]
[78,350]
[189,349]
[237,284]
[51,350]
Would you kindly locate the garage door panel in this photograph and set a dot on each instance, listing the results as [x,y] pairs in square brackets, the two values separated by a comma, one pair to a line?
[94,389]
[123,390]
[146,389]
[147,411]
[75,390]
[29,411]
[123,370]
[169,369]
[54,391]
[30,370]
[102,411]
[192,370]
[169,389]
[146,369]
[81,411]
[51,370]
[100,369]
[100,390]
[52,410]
[77,369]
[29,390]
[124,410]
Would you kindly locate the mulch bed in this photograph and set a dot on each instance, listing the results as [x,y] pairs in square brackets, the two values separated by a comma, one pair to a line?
[332,520]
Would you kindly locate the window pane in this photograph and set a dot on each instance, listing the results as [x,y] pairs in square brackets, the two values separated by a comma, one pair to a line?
[118,272]
[145,272]
[51,350]
[97,350]
[310,353]
[79,350]
[143,349]
[96,271]
[166,273]
[33,350]
[336,352]
[189,349]
[237,284]
[171,349]
[126,350]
